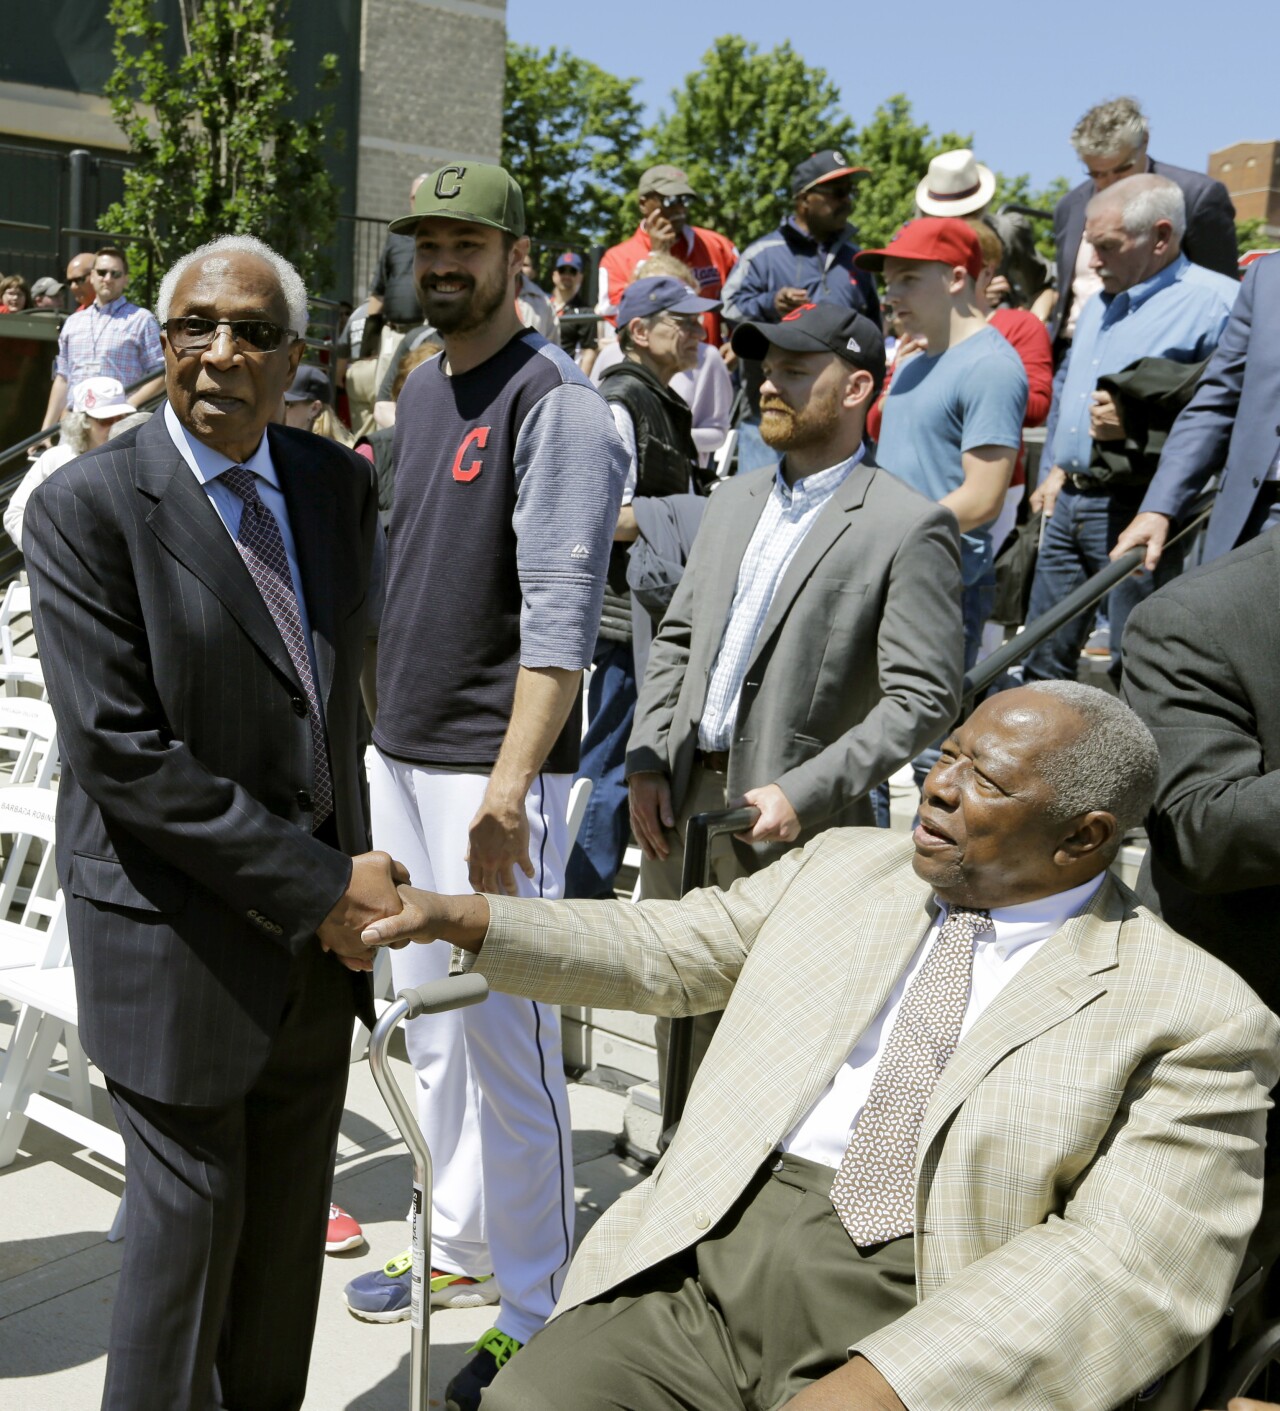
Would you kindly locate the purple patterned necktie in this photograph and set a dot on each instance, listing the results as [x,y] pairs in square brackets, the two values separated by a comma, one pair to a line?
[874,1189]
[262,549]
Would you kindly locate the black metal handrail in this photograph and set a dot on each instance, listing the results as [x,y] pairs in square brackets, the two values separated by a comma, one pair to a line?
[1091,591]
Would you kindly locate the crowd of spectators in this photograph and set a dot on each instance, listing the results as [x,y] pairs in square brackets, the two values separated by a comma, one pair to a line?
[778,608]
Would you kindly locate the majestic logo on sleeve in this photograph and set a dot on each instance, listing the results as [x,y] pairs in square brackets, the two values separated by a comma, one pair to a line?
[449,182]
[477,436]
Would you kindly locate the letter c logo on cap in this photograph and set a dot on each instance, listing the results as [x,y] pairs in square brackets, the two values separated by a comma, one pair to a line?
[446,192]
[477,436]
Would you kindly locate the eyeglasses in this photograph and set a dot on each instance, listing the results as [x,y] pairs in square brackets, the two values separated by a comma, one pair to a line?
[109,273]
[684,323]
[192,335]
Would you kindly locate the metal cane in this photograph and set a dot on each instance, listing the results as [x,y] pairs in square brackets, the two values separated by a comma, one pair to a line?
[456,992]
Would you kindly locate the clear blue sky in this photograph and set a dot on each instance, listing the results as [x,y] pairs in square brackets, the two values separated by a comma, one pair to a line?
[1014,72]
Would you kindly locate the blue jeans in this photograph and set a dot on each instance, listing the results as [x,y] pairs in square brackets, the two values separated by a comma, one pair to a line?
[1077,541]
[753,454]
[606,825]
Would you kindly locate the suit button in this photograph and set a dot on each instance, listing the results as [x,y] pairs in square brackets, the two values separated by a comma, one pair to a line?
[304,799]
[701,1219]
[299,705]
[1257,480]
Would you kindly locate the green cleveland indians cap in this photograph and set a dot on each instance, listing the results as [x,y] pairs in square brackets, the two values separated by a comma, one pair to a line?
[474,191]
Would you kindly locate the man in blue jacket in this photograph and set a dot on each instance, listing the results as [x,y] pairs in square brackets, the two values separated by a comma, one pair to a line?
[808,259]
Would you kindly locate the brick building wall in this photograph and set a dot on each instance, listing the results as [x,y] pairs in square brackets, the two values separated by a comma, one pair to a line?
[431,76]
[1251,173]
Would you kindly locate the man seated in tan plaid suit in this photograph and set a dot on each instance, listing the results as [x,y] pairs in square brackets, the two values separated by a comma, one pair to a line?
[976,1130]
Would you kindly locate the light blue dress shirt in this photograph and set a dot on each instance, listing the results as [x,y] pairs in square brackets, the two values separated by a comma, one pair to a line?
[1179,313]
[207,465]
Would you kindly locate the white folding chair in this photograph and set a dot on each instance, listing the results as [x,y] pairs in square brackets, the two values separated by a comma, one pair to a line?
[35,1086]
[17,641]
[29,897]
[28,737]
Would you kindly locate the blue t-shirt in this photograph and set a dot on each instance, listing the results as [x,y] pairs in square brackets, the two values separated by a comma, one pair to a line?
[973,394]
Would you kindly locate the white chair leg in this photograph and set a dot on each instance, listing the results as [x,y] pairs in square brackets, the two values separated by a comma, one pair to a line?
[116,1233]
[78,1074]
[34,1040]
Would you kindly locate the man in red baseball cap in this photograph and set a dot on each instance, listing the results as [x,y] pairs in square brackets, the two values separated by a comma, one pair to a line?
[952,418]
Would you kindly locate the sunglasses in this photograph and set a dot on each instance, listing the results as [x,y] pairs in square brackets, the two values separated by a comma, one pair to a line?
[109,273]
[191,335]
[77,279]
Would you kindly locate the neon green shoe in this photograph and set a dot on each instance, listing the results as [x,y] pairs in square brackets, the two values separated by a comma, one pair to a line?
[494,1350]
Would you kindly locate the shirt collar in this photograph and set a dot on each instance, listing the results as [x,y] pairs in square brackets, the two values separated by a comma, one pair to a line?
[206,463]
[1017,926]
[1137,296]
[114,307]
[811,488]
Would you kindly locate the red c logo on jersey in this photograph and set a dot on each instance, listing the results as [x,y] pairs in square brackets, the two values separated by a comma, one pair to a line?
[477,436]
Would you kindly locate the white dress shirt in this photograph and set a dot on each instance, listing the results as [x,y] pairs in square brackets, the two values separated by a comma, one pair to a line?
[999,954]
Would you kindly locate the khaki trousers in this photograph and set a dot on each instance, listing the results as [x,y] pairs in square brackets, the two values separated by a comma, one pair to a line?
[768,1302]
[661,881]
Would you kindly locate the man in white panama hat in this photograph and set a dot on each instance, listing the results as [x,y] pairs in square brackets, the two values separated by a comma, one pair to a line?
[957,184]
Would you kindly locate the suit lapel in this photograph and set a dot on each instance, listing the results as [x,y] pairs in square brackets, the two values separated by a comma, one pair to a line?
[186,523]
[830,524]
[734,538]
[310,500]
[1061,979]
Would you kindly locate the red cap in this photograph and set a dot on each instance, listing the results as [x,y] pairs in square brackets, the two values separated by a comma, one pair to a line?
[941,238]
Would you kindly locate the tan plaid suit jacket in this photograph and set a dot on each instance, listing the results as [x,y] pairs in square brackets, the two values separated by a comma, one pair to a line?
[1091,1161]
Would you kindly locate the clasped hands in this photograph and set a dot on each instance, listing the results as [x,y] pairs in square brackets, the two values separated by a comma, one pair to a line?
[371,895]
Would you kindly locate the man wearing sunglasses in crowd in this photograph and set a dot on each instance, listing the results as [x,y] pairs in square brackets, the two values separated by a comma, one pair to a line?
[108,337]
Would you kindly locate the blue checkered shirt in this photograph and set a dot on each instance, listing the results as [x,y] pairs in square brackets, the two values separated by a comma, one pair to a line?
[788,515]
[121,341]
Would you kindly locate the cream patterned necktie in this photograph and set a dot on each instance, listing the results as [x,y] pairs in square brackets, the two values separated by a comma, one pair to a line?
[262,548]
[874,1189]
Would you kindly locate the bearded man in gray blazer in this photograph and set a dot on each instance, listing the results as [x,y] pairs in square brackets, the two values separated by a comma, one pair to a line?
[811,648]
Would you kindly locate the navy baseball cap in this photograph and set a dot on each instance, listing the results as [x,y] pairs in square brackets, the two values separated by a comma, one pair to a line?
[310,384]
[822,166]
[570,260]
[660,294]
[817,328]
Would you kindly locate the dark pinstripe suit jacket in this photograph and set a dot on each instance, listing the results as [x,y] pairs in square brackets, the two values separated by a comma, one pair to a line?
[184,841]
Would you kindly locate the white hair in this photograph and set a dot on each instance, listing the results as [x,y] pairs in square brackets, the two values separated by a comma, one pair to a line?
[213,256]
[127,423]
[74,431]
[1112,764]
[1110,128]
[1145,199]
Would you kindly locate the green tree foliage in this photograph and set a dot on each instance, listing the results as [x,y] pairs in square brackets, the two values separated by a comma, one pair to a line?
[216,153]
[1252,235]
[572,137]
[739,125]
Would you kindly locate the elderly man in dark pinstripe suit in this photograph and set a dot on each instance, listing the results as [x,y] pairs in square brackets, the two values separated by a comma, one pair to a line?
[200,595]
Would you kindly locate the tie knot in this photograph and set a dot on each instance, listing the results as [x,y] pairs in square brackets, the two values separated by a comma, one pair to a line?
[968,919]
[243,482]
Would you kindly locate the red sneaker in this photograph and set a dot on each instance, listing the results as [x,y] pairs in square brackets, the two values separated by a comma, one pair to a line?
[344,1233]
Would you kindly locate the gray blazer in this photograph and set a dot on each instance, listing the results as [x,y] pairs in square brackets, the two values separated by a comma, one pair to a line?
[856,668]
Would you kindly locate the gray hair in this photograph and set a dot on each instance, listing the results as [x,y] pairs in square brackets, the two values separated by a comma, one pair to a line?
[1110,128]
[127,423]
[214,253]
[1112,764]
[1145,199]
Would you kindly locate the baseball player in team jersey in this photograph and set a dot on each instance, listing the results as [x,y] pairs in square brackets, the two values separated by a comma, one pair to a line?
[509,476]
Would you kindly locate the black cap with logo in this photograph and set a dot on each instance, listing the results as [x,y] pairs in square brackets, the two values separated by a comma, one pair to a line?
[817,328]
